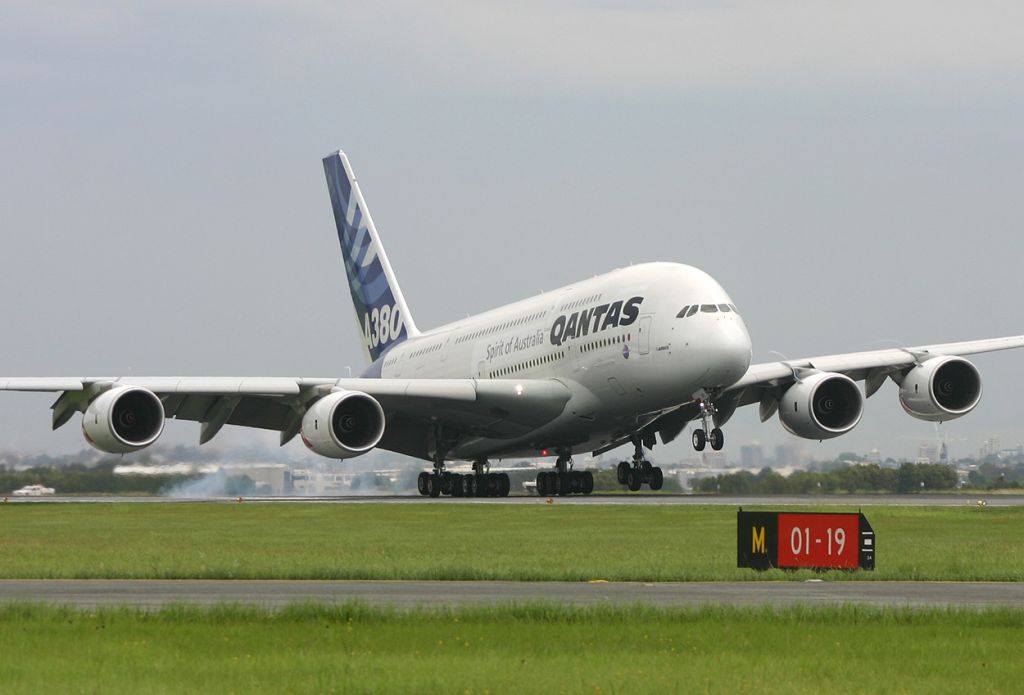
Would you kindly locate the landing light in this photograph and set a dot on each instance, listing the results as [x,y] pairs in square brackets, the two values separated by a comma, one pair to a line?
[519,389]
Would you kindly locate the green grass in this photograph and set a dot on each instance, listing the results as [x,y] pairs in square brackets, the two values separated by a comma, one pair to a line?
[532,648]
[446,541]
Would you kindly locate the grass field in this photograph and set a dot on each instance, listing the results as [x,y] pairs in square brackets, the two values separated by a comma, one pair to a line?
[536,648]
[445,541]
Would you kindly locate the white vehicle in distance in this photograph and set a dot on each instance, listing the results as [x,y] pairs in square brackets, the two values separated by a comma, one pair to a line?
[34,491]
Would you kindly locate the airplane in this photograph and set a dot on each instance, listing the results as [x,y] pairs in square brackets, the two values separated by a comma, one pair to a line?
[626,357]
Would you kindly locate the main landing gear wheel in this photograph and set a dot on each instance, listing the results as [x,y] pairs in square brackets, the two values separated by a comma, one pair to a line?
[700,440]
[640,471]
[434,486]
[478,484]
[657,479]
[622,472]
[564,481]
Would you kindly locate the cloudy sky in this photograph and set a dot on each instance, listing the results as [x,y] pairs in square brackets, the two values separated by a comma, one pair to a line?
[850,172]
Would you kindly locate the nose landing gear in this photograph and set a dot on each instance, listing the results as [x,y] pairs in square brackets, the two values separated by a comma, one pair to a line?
[706,435]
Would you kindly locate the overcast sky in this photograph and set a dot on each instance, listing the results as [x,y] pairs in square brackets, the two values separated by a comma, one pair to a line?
[850,172]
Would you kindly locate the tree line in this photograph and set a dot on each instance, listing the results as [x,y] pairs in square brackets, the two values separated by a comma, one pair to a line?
[909,477]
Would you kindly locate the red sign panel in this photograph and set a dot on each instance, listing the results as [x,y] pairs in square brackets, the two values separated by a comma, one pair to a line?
[818,540]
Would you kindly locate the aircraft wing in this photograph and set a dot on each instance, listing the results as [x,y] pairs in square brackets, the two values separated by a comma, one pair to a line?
[873,367]
[499,408]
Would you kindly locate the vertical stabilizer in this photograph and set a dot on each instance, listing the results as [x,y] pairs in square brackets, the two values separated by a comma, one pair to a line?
[383,315]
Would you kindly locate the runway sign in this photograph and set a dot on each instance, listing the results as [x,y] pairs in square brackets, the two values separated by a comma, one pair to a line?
[809,540]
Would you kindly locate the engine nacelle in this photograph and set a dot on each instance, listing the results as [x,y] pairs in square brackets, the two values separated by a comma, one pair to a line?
[123,419]
[821,406]
[343,424]
[940,389]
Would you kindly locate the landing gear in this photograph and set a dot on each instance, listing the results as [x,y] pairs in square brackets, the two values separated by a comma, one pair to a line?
[706,435]
[640,471]
[563,480]
[480,483]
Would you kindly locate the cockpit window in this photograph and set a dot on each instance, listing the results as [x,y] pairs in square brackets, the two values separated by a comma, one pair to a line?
[693,310]
[708,308]
[682,312]
[725,308]
[734,308]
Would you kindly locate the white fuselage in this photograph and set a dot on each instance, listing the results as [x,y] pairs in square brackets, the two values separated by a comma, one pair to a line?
[616,340]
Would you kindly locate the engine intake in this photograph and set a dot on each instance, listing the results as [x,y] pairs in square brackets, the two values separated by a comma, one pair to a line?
[940,389]
[123,419]
[821,406]
[343,424]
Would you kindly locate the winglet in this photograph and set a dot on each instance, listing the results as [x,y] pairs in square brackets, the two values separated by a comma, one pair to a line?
[381,310]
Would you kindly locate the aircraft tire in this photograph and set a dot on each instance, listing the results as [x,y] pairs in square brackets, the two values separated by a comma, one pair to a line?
[700,440]
[635,479]
[588,482]
[422,483]
[622,472]
[504,485]
[564,484]
[657,478]
[434,486]
[717,439]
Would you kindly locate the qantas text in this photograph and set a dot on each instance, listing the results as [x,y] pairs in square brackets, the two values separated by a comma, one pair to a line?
[594,319]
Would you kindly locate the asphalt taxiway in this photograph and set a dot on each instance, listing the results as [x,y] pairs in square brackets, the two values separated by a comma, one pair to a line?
[154,594]
[921,500]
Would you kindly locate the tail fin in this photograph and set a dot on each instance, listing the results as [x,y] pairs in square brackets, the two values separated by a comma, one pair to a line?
[383,315]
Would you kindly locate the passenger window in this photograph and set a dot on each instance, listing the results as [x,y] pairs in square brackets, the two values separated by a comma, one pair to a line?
[724,308]
[709,308]
[682,312]
[692,311]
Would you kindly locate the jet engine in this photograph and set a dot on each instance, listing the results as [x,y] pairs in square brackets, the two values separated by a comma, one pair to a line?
[343,424]
[940,389]
[123,419]
[821,406]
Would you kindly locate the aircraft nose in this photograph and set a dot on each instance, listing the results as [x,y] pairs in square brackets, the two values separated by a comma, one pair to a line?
[722,351]
[734,350]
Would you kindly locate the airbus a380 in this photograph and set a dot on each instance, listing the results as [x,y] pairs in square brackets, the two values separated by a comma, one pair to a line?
[622,358]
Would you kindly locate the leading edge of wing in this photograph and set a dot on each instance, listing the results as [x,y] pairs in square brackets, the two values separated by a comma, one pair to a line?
[853,361]
[270,386]
[546,397]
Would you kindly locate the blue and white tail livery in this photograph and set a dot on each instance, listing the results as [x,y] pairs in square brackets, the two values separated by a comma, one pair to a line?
[381,310]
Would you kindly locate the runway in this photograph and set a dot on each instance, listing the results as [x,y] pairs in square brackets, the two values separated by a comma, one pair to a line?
[152,594]
[849,501]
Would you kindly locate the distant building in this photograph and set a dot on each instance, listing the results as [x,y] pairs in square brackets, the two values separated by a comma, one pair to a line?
[715,459]
[990,447]
[752,456]
[927,453]
[787,455]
